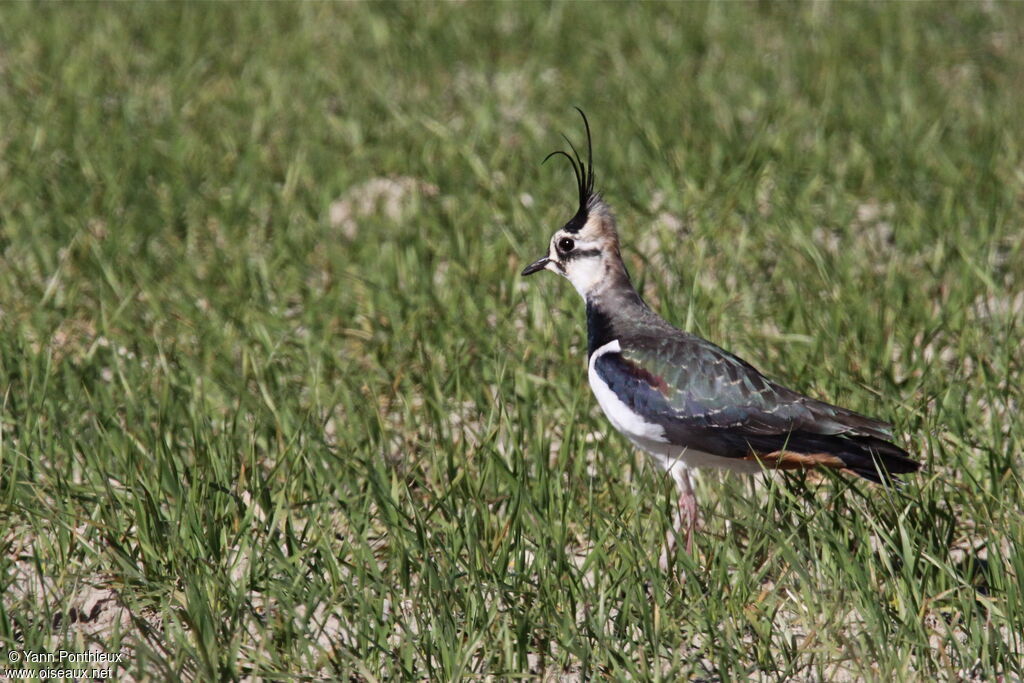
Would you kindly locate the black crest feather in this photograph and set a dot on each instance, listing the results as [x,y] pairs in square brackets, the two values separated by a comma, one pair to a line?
[584,172]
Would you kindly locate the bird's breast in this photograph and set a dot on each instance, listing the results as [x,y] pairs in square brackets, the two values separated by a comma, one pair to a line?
[619,413]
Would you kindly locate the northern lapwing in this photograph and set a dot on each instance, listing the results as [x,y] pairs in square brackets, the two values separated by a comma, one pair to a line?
[685,401]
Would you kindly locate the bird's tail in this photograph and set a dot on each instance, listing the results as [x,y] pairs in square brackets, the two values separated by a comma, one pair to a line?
[868,457]
[876,460]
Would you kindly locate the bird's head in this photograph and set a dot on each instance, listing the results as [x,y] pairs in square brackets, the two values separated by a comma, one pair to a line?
[586,249]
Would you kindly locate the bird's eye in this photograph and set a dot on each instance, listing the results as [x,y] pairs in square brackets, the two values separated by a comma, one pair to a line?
[565,244]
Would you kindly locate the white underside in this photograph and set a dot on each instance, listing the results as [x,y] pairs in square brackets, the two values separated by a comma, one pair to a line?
[650,437]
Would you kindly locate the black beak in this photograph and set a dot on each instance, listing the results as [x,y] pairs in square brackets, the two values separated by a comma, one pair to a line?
[535,266]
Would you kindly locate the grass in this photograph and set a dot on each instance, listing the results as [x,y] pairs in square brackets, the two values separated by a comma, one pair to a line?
[274,401]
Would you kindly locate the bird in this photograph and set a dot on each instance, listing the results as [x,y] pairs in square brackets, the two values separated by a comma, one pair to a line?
[682,399]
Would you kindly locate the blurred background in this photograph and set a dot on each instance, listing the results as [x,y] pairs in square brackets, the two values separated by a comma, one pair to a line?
[273,398]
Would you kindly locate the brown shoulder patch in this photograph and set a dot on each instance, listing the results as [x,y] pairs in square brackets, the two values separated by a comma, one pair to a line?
[656,382]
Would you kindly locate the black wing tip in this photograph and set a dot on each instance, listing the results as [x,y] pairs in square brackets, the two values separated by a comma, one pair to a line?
[882,462]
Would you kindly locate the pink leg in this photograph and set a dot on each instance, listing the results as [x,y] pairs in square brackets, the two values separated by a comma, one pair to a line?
[685,521]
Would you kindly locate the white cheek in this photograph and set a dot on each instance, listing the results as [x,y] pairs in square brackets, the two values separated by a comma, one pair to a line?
[585,274]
